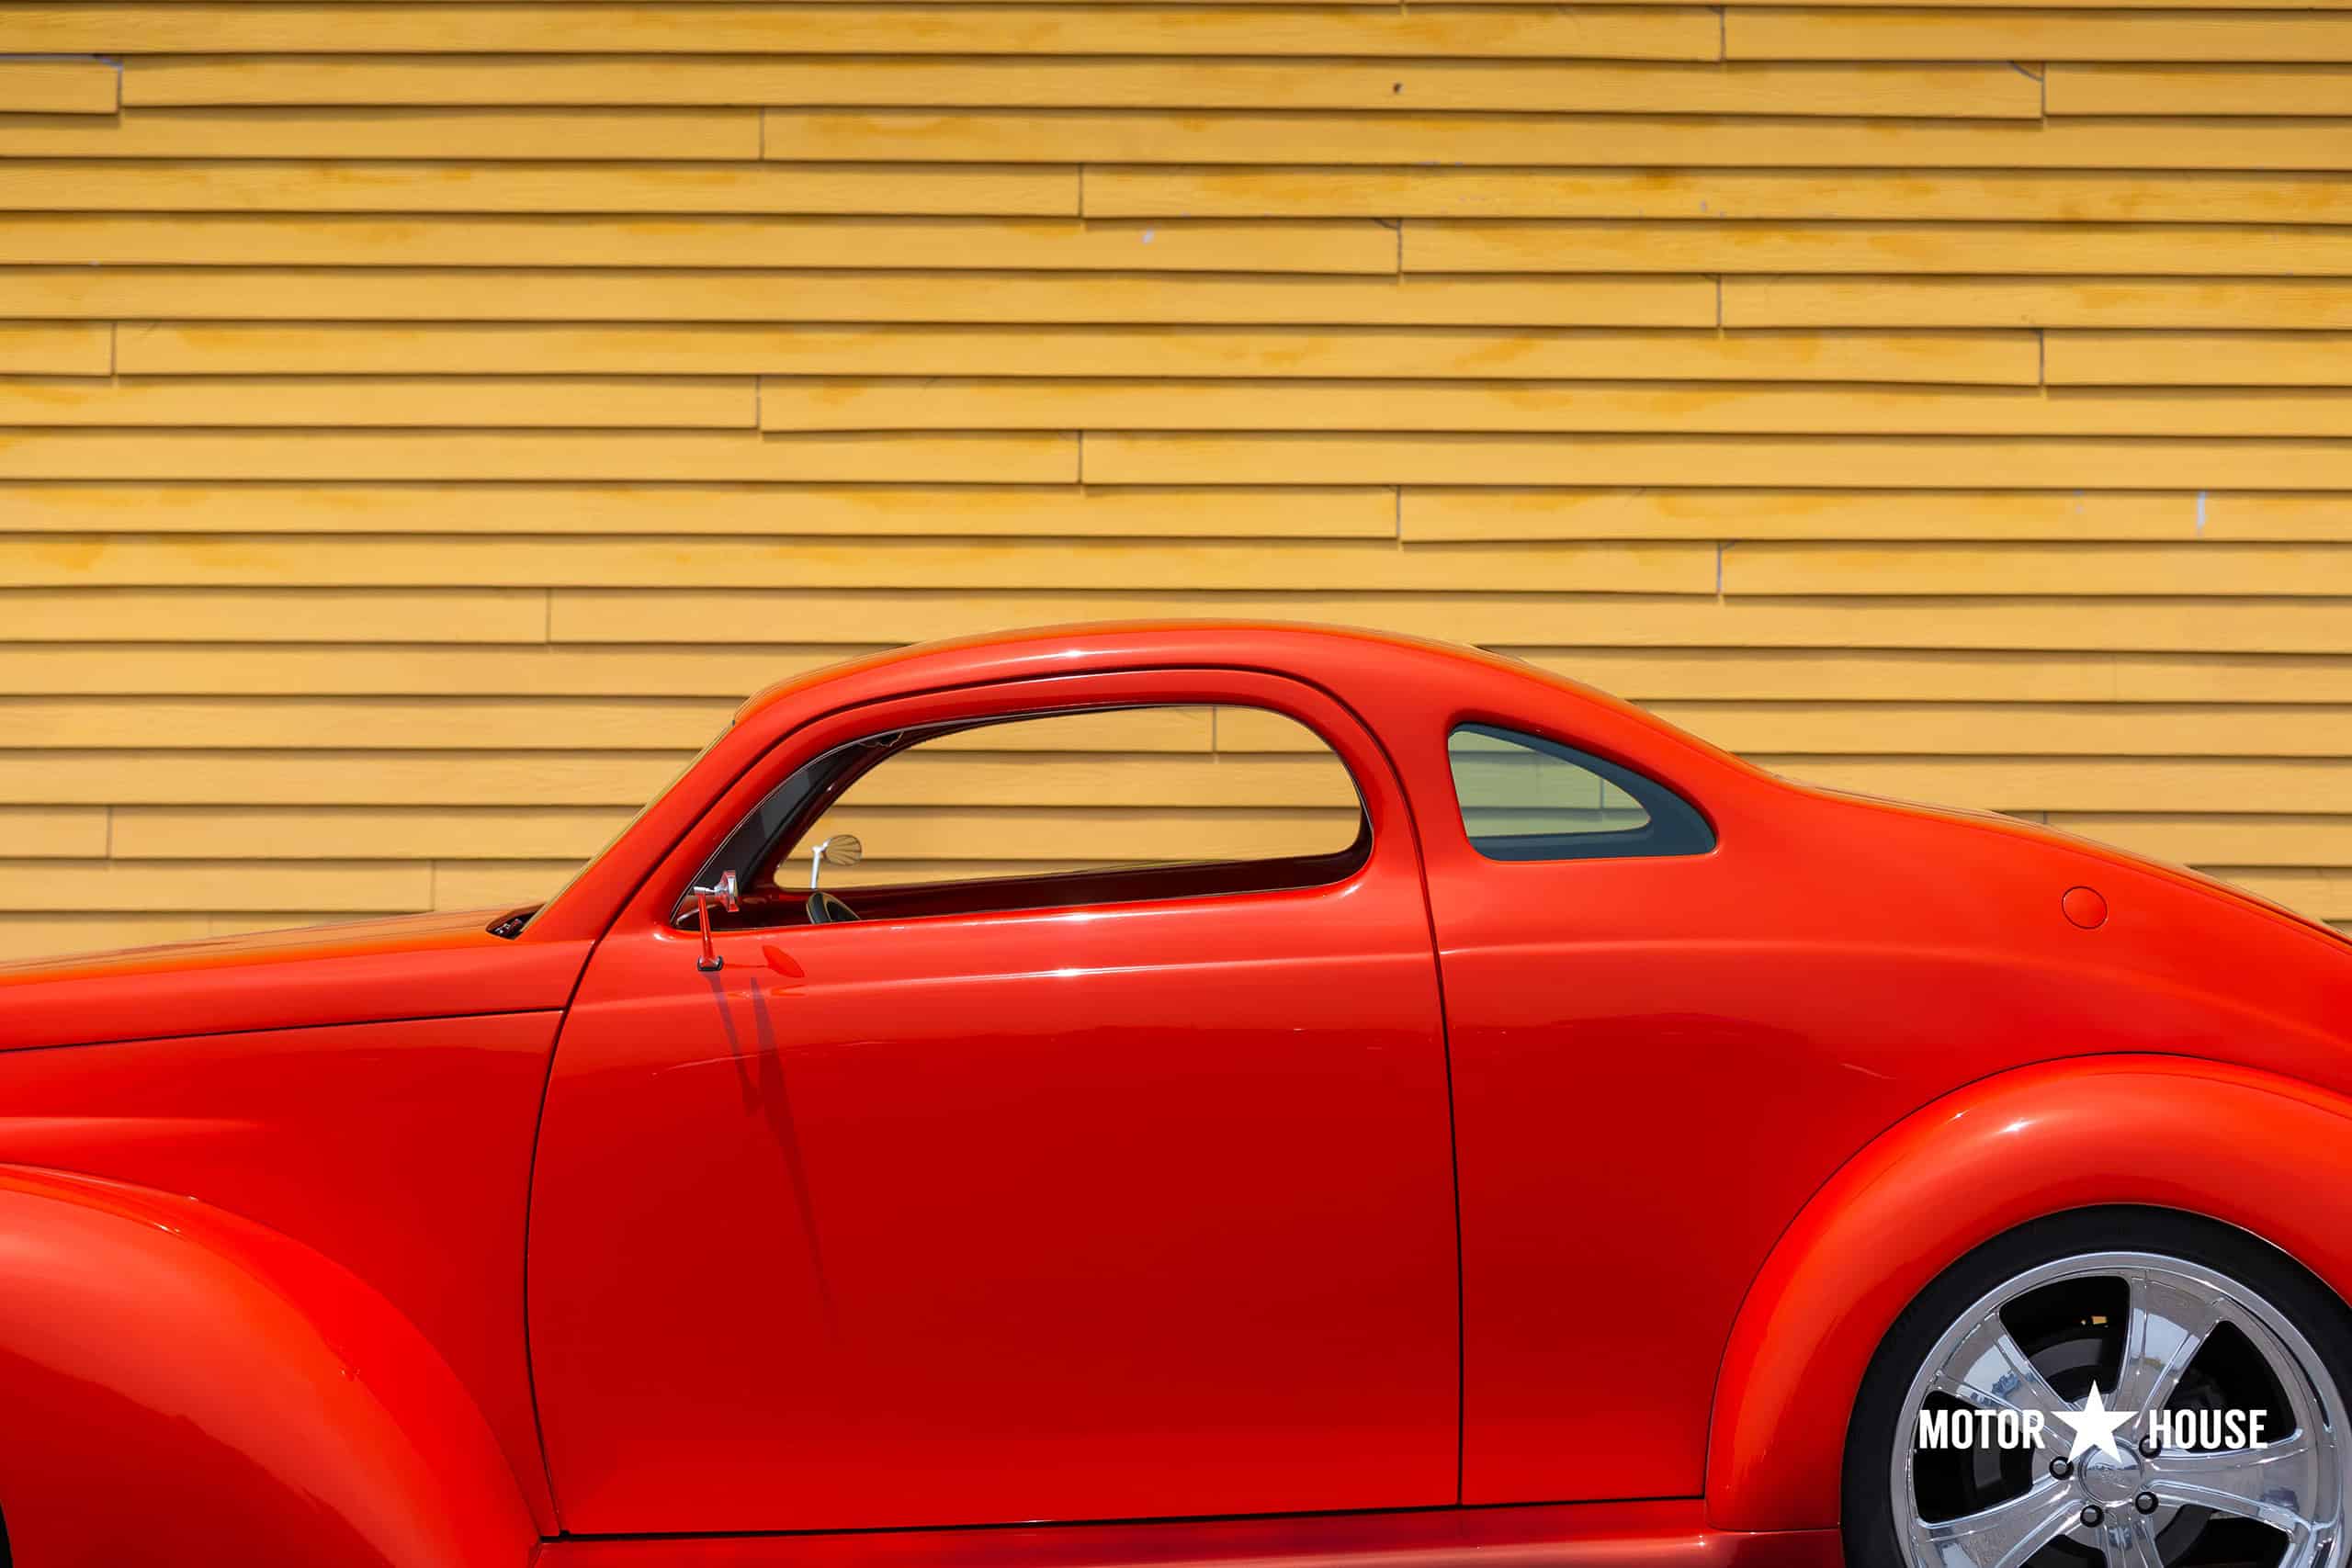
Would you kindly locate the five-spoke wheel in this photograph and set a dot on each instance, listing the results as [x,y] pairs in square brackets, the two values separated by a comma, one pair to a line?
[2123,1387]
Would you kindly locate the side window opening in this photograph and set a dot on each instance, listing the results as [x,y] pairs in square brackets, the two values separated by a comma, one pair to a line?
[1053,810]
[1527,798]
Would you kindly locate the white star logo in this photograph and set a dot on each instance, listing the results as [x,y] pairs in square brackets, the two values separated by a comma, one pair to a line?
[2094,1426]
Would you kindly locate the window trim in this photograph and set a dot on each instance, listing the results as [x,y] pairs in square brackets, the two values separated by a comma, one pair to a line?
[823,791]
[1676,826]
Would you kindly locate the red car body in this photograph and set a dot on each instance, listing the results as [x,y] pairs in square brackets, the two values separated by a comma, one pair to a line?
[1458,1206]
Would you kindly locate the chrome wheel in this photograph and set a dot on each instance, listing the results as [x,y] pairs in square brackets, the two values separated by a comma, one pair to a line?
[2254,1474]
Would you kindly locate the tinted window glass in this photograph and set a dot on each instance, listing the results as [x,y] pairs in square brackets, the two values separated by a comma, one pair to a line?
[1524,797]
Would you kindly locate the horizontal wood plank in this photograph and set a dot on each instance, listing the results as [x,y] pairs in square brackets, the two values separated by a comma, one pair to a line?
[1959,91]
[512,833]
[730,672]
[282,833]
[1667,354]
[1434,516]
[2005,5]
[2199,358]
[965,457]
[350,667]
[427,560]
[696,27]
[479,885]
[129,778]
[1830,462]
[699,508]
[1058,244]
[1430,515]
[2322,895]
[2012,730]
[166,724]
[1003,136]
[2300,571]
[1114,835]
[700,402]
[469,133]
[110,885]
[2086,783]
[2226,839]
[587,294]
[2233,677]
[2049,622]
[1971,194]
[2142,249]
[51,933]
[537,779]
[58,86]
[2265,303]
[2141,90]
[49,833]
[56,348]
[1957,676]
[941,402]
[536,723]
[309,185]
[264,615]
[1851,33]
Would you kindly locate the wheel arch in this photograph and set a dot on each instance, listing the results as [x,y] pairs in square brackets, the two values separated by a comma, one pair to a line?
[177,1373]
[2268,1155]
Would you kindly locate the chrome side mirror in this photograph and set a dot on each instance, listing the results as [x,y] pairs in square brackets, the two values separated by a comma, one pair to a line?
[724,891]
[842,849]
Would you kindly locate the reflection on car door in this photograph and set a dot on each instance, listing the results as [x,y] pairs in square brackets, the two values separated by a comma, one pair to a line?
[1135,1210]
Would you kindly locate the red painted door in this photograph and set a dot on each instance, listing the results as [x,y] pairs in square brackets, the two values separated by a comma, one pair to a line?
[1136,1210]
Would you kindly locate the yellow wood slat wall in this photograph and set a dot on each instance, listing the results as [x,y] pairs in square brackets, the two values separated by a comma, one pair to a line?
[420,420]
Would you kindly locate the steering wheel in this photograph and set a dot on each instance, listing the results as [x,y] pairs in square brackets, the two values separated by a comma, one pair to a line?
[824,909]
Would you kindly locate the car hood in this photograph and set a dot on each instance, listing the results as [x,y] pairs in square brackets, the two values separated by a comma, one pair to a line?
[439,966]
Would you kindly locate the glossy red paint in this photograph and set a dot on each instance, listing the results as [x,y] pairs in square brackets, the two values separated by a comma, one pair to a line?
[1142,1211]
[448,966]
[2084,906]
[2263,1153]
[1717,1034]
[1585,1535]
[1050,1214]
[183,1386]
[401,1151]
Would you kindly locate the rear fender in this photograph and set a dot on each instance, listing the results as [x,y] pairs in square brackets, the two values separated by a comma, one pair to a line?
[182,1385]
[2269,1155]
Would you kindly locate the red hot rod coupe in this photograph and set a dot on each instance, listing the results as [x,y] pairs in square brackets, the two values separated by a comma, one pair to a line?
[1596,1150]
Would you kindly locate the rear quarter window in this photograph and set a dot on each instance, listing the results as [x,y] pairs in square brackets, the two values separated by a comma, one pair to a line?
[1524,797]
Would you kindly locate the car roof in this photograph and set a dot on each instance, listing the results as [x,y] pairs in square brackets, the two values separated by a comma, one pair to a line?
[1291,647]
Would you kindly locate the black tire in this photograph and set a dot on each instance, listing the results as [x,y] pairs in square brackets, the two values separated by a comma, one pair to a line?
[1871,1539]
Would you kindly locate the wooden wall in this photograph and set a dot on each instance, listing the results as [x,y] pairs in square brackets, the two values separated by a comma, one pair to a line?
[425,420]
